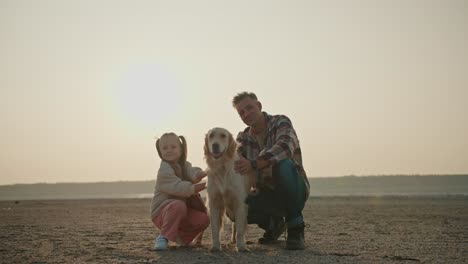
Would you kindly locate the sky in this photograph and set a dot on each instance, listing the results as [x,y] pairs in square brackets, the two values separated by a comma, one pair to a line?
[372,87]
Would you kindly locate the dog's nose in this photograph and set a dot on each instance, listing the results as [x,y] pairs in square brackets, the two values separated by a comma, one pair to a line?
[215,148]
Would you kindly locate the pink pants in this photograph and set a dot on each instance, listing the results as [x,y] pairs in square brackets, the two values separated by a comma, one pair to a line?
[176,220]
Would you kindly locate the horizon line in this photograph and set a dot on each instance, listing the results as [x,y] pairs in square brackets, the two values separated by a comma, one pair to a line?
[314,177]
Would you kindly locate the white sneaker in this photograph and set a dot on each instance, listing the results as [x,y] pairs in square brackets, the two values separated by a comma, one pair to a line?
[160,243]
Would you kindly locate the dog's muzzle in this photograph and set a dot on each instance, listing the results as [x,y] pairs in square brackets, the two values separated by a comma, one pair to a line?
[216,151]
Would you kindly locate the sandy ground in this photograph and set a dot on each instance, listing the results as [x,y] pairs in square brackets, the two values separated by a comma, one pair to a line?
[341,230]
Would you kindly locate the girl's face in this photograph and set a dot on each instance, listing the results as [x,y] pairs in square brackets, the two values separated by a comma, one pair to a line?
[170,148]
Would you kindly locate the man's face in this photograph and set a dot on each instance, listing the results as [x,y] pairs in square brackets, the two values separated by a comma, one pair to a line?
[249,110]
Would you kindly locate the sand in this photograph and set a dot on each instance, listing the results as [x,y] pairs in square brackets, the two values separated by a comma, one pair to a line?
[340,230]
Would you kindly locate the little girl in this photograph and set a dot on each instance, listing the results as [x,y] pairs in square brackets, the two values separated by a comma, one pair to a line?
[177,182]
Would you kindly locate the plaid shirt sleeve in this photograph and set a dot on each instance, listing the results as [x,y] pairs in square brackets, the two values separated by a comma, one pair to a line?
[284,141]
[246,146]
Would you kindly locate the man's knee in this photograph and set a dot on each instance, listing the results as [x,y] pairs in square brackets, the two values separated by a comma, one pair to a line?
[289,183]
[285,170]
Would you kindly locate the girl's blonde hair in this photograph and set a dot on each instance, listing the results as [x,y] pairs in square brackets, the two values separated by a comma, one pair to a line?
[183,147]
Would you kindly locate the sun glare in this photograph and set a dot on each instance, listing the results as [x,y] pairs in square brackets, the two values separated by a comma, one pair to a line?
[148,94]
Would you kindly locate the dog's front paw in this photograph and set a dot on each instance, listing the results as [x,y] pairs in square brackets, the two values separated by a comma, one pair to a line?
[240,246]
[215,249]
[242,249]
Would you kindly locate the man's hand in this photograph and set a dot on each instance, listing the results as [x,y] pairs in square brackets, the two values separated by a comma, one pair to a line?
[243,166]
[199,187]
[199,177]
[263,164]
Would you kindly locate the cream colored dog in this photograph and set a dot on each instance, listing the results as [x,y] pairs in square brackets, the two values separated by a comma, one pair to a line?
[227,190]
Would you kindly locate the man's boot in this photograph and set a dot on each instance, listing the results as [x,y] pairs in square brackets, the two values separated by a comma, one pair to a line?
[295,239]
[276,228]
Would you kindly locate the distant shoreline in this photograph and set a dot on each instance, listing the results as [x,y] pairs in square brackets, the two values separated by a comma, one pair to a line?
[346,186]
[332,197]
[310,178]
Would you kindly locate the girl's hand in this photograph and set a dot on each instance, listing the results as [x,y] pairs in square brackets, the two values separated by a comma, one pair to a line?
[199,187]
[200,176]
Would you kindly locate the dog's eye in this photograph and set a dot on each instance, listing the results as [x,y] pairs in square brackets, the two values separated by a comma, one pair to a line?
[211,135]
[223,136]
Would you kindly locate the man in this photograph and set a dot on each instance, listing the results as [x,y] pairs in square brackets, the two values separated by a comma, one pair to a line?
[270,147]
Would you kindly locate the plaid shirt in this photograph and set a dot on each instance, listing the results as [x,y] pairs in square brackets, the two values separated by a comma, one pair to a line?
[281,143]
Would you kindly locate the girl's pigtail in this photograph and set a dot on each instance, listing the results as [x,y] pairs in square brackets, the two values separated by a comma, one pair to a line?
[183,144]
[157,148]
[183,156]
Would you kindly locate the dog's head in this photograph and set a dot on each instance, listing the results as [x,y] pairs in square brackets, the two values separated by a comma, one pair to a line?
[219,143]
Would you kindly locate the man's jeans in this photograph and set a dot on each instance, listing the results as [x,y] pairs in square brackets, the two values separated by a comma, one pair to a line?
[286,200]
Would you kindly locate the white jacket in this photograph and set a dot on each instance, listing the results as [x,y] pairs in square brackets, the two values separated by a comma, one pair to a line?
[170,187]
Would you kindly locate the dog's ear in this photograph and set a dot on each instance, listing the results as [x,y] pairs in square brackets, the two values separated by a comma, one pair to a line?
[205,147]
[232,146]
